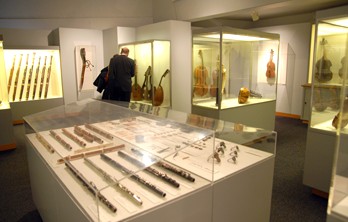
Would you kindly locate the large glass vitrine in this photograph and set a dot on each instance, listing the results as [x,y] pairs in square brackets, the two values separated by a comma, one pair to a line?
[112,161]
[329,71]
[234,69]
[151,83]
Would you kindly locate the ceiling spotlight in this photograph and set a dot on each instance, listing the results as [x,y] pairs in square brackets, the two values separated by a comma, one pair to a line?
[255,16]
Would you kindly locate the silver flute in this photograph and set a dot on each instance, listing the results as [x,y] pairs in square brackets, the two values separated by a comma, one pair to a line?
[111,179]
[133,175]
[91,187]
[149,169]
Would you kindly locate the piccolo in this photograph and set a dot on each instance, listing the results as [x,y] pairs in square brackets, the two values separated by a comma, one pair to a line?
[60,140]
[99,131]
[87,135]
[169,167]
[133,175]
[90,186]
[149,169]
[110,178]
[73,138]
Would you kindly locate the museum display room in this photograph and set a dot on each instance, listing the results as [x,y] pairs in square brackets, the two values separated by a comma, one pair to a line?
[110,161]
[328,97]
[7,137]
[234,76]
[151,83]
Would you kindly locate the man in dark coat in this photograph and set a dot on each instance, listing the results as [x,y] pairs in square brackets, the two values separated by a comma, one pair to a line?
[121,71]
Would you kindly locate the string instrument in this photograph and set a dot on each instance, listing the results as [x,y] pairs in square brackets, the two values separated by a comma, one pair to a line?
[84,62]
[323,65]
[200,87]
[136,89]
[158,93]
[144,88]
[270,73]
[342,71]
[215,75]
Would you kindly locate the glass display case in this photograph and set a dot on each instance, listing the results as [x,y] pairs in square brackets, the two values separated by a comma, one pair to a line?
[117,161]
[329,73]
[7,136]
[233,68]
[151,83]
[33,74]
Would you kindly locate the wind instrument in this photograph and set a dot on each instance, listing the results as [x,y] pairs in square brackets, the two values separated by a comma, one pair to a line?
[48,77]
[42,76]
[30,76]
[24,78]
[11,74]
[16,79]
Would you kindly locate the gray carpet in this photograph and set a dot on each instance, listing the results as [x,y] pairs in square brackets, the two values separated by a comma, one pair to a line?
[291,200]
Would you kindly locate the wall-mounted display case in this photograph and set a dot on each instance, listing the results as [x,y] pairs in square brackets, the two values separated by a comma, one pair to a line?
[7,137]
[151,83]
[109,162]
[329,73]
[33,79]
[235,70]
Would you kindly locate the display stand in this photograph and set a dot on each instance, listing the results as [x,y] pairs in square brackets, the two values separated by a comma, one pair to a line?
[235,75]
[328,70]
[211,156]
[34,80]
[7,137]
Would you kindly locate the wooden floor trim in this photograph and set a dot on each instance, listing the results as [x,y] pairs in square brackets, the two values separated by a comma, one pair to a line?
[288,115]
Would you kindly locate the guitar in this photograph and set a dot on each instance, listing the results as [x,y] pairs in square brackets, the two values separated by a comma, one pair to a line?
[270,73]
[144,88]
[136,89]
[158,93]
[200,74]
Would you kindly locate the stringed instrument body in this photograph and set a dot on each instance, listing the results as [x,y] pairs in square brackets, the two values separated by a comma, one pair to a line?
[323,65]
[215,76]
[200,87]
[146,92]
[158,92]
[270,73]
[136,89]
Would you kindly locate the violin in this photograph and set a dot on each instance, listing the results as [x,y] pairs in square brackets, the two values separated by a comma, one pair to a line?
[215,77]
[136,89]
[200,87]
[158,93]
[270,73]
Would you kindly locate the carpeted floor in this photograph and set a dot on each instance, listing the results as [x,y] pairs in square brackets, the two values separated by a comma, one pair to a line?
[291,200]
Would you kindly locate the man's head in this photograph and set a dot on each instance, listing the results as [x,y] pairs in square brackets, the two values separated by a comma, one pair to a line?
[125,51]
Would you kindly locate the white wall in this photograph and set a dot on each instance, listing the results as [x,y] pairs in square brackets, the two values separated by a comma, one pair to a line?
[295,39]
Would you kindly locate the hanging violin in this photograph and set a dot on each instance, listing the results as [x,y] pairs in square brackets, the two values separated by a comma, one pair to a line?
[200,87]
[158,93]
[270,73]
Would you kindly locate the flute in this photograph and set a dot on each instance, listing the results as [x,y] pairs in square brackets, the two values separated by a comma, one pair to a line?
[87,135]
[48,77]
[91,187]
[43,71]
[110,178]
[151,170]
[99,131]
[74,138]
[169,167]
[45,143]
[30,77]
[16,78]
[11,74]
[133,176]
[24,78]
[60,140]
[36,78]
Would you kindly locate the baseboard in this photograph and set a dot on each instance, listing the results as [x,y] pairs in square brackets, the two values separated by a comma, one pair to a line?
[10,146]
[18,122]
[294,116]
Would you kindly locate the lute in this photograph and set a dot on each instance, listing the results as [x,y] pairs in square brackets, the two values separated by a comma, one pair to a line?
[158,93]
[136,89]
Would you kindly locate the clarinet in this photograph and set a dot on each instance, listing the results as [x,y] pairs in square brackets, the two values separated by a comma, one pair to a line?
[107,176]
[91,187]
[133,176]
[151,170]
[169,167]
